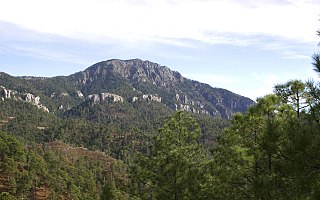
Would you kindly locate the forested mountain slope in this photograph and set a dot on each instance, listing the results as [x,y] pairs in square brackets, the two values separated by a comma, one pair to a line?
[108,112]
[111,106]
[132,80]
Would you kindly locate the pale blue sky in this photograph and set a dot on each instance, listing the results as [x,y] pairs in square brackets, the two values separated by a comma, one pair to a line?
[244,46]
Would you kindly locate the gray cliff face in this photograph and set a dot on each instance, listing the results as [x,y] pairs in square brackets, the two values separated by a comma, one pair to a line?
[136,71]
[104,97]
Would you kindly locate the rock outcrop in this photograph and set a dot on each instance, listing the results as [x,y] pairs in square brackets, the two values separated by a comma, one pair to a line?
[30,98]
[64,94]
[148,97]
[27,97]
[134,99]
[6,93]
[192,109]
[79,94]
[151,97]
[104,97]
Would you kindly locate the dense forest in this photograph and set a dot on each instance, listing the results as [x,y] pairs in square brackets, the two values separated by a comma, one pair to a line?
[106,151]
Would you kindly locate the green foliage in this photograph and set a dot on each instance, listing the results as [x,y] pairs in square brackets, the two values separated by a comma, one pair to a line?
[293,93]
[28,167]
[110,192]
[6,196]
[173,169]
[271,152]
[316,62]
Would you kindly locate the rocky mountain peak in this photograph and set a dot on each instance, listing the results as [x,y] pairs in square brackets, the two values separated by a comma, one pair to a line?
[134,70]
[172,89]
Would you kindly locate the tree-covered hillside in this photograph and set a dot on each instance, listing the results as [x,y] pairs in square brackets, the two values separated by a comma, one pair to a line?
[55,170]
[113,106]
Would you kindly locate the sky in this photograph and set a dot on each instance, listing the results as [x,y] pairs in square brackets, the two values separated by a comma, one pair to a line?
[245,46]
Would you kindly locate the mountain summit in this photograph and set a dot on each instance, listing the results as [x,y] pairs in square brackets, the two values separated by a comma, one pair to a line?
[135,71]
[134,78]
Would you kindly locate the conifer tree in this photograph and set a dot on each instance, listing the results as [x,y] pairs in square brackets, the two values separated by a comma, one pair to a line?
[173,170]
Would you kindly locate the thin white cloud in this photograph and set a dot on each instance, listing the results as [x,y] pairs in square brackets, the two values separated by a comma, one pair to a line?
[137,27]
[49,54]
[206,20]
[296,56]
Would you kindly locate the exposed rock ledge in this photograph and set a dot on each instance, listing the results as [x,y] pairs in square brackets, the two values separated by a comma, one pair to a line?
[11,94]
[35,101]
[104,97]
[6,93]
[148,97]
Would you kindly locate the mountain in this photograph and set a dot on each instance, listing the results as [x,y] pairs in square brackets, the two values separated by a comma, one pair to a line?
[130,80]
[110,105]
[81,123]
[136,79]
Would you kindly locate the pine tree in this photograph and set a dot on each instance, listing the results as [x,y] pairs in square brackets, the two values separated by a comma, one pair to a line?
[173,170]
